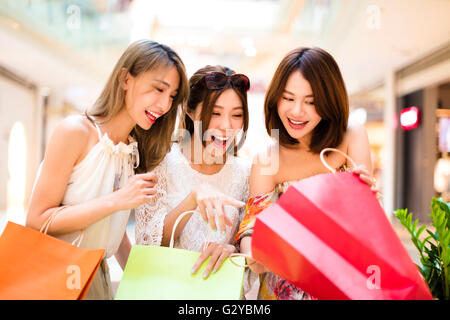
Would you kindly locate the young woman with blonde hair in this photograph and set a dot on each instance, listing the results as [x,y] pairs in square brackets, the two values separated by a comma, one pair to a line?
[87,176]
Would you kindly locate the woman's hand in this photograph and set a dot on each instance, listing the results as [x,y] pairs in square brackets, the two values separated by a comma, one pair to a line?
[218,253]
[246,245]
[210,200]
[365,176]
[138,190]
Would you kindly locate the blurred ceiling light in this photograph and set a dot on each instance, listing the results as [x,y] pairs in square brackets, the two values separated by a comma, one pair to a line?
[142,13]
[220,20]
[192,41]
[250,52]
[358,116]
[204,42]
[247,42]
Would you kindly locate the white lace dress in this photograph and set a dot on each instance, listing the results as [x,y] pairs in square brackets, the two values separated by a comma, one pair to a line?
[176,179]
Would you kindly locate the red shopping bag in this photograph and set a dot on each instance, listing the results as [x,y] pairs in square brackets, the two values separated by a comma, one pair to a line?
[329,236]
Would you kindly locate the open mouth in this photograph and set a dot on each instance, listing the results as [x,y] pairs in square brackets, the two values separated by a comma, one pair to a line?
[152,116]
[220,142]
[297,124]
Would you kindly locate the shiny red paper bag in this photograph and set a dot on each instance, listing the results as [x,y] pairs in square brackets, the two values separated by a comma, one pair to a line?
[329,236]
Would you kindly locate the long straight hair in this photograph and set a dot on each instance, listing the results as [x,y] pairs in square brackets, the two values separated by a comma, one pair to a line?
[142,56]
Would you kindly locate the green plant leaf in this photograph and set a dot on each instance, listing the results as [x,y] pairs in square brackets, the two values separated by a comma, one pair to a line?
[420,231]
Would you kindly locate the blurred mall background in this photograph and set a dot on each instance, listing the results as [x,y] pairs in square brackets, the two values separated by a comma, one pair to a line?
[55,57]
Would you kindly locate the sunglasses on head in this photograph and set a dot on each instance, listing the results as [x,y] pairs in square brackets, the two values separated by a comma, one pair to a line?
[218,80]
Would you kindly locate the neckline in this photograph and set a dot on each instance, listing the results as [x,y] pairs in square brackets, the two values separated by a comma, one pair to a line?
[185,161]
[106,141]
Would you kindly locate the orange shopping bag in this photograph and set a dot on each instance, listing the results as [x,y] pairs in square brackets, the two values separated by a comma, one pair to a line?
[35,266]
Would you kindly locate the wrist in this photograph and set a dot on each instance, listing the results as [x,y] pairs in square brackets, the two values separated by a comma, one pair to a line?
[112,202]
[192,199]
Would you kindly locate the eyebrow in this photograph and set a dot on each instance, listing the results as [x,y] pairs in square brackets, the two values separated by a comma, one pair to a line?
[307,96]
[220,107]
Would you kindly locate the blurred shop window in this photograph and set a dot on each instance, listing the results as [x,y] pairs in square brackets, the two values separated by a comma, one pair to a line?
[442,176]
[442,167]
[17,149]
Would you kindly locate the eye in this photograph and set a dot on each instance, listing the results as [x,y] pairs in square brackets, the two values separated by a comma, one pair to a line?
[288,99]
[238,115]
[159,89]
[216,114]
[310,102]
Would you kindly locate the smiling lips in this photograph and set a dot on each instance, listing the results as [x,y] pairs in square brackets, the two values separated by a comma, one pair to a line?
[152,116]
[220,142]
[297,124]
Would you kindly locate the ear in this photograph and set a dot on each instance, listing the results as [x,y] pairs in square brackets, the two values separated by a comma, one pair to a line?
[127,78]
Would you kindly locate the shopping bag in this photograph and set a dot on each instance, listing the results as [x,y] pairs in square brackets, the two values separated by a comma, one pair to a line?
[329,236]
[164,273]
[36,266]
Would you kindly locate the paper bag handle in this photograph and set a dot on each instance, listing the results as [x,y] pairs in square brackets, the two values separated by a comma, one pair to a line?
[233,255]
[322,158]
[177,221]
[51,218]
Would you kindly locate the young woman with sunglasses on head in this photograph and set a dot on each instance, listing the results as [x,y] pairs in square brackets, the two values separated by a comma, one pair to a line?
[202,173]
[88,185]
[307,102]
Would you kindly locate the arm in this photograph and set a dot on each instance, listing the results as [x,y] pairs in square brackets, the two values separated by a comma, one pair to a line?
[155,218]
[359,150]
[358,147]
[209,200]
[51,183]
[259,184]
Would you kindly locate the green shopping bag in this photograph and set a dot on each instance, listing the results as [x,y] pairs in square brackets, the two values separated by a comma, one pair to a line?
[162,273]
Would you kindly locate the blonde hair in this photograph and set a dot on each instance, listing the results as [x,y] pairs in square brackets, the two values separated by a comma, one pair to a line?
[142,56]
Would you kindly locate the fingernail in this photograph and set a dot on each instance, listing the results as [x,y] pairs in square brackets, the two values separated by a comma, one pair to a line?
[205,275]
[192,271]
[214,271]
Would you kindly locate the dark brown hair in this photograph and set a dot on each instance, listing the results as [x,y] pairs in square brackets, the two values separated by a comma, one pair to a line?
[199,93]
[142,56]
[330,97]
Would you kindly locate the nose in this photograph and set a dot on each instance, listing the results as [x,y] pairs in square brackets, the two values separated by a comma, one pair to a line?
[225,123]
[298,109]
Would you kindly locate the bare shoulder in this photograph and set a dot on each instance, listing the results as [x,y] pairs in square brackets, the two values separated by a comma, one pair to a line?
[75,126]
[71,137]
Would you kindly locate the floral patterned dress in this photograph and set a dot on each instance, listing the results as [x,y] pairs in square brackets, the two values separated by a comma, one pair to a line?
[272,287]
